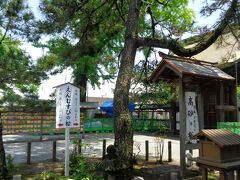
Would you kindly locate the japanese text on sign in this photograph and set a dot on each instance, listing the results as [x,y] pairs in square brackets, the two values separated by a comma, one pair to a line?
[192,125]
[67,106]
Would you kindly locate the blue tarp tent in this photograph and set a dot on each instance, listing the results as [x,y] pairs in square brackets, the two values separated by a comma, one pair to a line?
[107,106]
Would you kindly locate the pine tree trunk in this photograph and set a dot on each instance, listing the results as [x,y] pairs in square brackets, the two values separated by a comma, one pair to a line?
[3,167]
[81,81]
[123,119]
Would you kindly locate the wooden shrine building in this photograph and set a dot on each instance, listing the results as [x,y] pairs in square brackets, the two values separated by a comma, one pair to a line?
[213,92]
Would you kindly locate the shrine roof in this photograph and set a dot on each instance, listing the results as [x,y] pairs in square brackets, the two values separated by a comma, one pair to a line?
[220,136]
[172,67]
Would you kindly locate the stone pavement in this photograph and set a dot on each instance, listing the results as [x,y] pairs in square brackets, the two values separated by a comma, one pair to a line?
[42,151]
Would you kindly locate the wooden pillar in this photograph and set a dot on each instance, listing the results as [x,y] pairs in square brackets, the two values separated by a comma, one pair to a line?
[54,151]
[222,114]
[28,152]
[204,172]
[223,175]
[233,101]
[201,108]
[182,111]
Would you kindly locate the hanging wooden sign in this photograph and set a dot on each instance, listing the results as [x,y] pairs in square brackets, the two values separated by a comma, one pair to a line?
[192,125]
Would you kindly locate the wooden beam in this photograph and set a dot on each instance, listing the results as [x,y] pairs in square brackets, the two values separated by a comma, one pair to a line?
[226,107]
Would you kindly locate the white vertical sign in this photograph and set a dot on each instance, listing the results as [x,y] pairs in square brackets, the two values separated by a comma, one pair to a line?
[192,125]
[67,113]
[67,106]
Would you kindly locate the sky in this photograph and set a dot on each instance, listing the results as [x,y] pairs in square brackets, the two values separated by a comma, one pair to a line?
[106,89]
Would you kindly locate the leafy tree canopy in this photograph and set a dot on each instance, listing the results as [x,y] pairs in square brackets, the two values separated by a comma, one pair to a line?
[19,77]
[81,38]
[88,35]
[16,20]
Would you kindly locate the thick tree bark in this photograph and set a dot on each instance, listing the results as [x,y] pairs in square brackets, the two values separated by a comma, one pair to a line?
[81,81]
[3,167]
[123,119]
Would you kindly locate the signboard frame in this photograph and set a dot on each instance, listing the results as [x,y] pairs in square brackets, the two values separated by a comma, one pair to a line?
[67,113]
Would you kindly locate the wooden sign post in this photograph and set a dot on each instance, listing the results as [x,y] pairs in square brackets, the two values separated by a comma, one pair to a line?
[67,113]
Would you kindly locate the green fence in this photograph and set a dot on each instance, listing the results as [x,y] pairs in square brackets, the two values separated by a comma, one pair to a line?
[232,126]
[107,124]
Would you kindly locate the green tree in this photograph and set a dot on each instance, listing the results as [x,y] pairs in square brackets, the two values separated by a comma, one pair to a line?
[82,40]
[87,65]
[19,77]
[19,84]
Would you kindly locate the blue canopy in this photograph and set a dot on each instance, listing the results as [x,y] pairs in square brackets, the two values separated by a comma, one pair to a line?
[107,106]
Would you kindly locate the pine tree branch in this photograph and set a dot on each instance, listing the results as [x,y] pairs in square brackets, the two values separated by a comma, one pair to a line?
[178,49]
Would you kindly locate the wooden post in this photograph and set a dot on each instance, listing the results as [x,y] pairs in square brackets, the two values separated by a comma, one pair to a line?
[233,101]
[147,150]
[152,114]
[79,146]
[169,151]
[67,138]
[54,151]
[204,173]
[104,149]
[28,152]
[223,175]
[182,110]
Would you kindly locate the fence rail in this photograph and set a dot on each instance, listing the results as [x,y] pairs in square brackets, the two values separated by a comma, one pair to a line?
[43,123]
[36,123]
